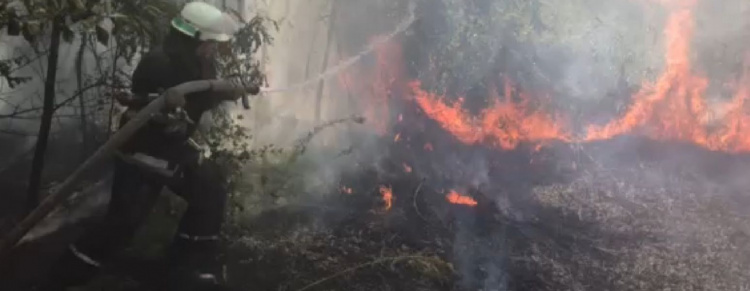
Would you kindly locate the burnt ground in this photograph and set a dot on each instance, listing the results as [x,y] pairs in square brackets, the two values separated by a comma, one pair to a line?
[566,221]
[623,214]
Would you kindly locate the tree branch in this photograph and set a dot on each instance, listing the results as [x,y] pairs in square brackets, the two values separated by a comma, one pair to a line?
[16,133]
[18,113]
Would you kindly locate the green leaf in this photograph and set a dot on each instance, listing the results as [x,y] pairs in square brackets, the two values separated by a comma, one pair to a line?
[77,5]
[102,36]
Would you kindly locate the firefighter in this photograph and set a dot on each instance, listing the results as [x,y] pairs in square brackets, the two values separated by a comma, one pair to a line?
[162,154]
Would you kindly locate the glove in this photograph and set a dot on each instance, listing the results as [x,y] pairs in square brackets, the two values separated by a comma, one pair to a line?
[254,90]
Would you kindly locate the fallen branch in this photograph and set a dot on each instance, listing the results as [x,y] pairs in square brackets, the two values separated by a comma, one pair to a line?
[414,197]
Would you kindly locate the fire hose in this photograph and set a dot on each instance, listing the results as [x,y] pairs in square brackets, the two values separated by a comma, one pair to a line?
[172,98]
[351,60]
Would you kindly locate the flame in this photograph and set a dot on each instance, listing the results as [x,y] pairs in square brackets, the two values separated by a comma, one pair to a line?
[397,137]
[386,78]
[505,124]
[672,107]
[377,93]
[387,194]
[735,133]
[407,169]
[346,190]
[456,198]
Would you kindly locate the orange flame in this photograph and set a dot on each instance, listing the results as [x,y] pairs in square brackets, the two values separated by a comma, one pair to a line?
[672,107]
[397,137]
[386,78]
[377,93]
[505,124]
[346,190]
[456,198]
[387,194]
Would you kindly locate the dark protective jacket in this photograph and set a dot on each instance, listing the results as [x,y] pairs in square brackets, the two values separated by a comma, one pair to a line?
[193,256]
[166,66]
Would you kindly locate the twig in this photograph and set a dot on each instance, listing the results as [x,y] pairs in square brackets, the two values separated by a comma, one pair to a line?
[345,152]
[18,133]
[414,197]
[38,56]
[393,260]
[16,114]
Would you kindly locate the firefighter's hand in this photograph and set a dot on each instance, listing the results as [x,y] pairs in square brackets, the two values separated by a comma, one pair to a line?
[173,101]
[253,90]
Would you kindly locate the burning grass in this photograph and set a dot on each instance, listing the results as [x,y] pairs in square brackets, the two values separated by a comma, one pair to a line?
[356,251]
[609,227]
[507,198]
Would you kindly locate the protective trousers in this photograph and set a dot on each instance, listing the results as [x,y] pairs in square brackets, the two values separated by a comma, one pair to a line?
[194,249]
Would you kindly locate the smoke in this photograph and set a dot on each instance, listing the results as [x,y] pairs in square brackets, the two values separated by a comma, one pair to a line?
[21,109]
[28,97]
[589,56]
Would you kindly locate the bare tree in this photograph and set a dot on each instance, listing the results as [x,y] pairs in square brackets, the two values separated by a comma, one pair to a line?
[40,149]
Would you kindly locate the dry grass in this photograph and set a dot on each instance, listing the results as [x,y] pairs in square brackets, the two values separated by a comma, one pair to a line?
[650,230]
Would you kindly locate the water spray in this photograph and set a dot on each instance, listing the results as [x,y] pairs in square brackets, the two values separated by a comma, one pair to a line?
[350,61]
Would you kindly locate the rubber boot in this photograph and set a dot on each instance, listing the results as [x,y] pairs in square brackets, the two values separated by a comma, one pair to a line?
[195,266]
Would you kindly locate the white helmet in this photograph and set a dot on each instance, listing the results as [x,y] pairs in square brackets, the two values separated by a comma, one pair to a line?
[204,21]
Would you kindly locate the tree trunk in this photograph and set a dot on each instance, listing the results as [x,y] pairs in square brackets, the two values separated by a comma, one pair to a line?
[37,165]
[111,116]
[326,54]
[310,53]
[82,99]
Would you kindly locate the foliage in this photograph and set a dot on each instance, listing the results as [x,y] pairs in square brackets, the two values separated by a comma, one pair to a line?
[134,22]
[226,139]
[132,25]
[7,71]
[468,38]
[238,60]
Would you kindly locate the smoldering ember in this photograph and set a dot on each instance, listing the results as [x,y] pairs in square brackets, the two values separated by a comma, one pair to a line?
[394,145]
